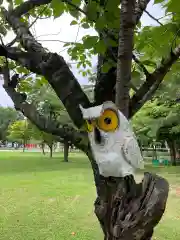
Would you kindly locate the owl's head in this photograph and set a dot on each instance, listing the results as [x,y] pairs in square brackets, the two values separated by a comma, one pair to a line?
[101,120]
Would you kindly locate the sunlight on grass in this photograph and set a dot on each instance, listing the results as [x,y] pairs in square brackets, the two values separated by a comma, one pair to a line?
[42,198]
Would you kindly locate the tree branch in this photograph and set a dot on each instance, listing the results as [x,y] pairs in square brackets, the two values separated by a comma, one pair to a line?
[23,34]
[140,8]
[151,16]
[29,5]
[35,20]
[75,6]
[141,65]
[152,82]
[25,7]
[79,139]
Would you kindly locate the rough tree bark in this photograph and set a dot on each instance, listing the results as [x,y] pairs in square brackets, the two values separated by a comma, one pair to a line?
[124,61]
[125,210]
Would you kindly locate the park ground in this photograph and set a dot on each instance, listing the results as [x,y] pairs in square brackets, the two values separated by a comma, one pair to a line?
[47,199]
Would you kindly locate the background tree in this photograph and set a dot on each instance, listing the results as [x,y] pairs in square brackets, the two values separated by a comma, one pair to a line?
[118,32]
[158,119]
[47,102]
[44,138]
[20,131]
[7,117]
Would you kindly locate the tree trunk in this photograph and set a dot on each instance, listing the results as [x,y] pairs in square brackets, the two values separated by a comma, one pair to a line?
[126,210]
[177,150]
[50,150]
[124,61]
[24,145]
[42,145]
[66,151]
[172,148]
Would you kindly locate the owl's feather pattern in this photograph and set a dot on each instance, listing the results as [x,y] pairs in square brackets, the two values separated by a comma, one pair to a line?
[132,153]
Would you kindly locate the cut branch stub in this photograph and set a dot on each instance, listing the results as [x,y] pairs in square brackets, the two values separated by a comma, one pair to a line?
[127,210]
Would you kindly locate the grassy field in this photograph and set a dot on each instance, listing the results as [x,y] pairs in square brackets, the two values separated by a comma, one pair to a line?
[46,199]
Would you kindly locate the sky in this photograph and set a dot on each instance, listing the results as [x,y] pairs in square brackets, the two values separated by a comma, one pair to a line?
[50,32]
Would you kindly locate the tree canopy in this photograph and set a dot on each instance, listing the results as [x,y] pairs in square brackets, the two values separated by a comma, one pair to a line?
[7,117]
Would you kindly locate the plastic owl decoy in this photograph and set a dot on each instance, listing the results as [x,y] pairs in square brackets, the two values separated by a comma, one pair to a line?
[112,140]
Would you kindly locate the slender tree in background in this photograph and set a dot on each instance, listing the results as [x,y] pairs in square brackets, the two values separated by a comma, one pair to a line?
[123,213]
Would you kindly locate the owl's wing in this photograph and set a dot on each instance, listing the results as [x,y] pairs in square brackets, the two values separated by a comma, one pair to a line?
[132,153]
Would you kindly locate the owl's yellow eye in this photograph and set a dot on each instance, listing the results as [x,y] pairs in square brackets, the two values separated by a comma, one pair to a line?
[90,125]
[109,121]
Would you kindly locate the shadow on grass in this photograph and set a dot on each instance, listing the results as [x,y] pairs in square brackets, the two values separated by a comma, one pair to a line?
[17,162]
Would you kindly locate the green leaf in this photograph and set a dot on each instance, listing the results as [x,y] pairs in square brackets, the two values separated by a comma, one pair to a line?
[18,2]
[58,8]
[149,63]
[74,22]
[29,79]
[88,63]
[158,1]
[12,65]
[90,41]
[67,44]
[139,24]
[76,2]
[85,25]
[106,66]
[100,23]
[172,6]
[112,43]
[100,47]
[84,74]
[79,64]
[75,13]
[135,74]
[21,70]
[92,10]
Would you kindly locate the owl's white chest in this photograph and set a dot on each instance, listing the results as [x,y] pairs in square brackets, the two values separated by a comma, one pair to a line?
[113,164]
[109,156]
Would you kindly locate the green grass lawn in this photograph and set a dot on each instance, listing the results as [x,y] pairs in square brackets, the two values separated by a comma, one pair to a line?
[46,199]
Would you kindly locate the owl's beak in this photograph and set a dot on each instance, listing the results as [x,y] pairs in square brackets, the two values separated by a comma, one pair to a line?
[97,136]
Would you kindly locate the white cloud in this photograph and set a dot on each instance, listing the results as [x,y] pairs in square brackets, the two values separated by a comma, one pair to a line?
[60,29]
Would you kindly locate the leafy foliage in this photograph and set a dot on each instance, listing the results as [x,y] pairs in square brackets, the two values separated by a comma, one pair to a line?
[7,117]
[159,118]
[20,131]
